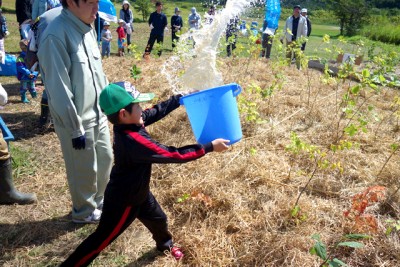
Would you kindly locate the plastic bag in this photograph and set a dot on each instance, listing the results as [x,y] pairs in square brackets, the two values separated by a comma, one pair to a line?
[272,13]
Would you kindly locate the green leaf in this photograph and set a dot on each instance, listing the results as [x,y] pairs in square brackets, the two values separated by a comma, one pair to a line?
[389,231]
[351,244]
[351,130]
[355,89]
[336,263]
[358,236]
[316,237]
[365,73]
[320,250]
[295,211]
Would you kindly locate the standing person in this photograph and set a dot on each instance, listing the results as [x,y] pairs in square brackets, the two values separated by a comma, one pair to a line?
[121,37]
[26,76]
[98,26]
[23,10]
[126,14]
[128,196]
[295,28]
[8,194]
[157,23]
[106,38]
[210,15]
[71,68]
[194,19]
[3,31]
[231,35]
[176,26]
[304,14]
[266,41]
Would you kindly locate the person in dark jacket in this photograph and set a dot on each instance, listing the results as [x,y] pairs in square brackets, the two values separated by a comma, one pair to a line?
[128,196]
[176,26]
[23,10]
[231,35]
[157,23]
[304,14]
[266,41]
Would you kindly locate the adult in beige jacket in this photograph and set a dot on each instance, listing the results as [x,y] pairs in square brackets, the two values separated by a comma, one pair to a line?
[295,28]
[71,67]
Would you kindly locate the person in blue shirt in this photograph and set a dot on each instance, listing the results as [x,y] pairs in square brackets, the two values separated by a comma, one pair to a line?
[26,76]
[157,23]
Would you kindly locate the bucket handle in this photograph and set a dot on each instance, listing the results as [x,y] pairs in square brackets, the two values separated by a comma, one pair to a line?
[237,91]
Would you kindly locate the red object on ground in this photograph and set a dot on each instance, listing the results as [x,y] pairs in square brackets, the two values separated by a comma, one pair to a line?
[177,253]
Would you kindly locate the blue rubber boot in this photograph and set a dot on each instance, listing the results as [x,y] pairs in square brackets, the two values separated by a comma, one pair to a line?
[23,98]
[33,92]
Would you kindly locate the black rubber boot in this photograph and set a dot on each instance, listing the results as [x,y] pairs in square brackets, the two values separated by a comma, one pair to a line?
[8,193]
[44,113]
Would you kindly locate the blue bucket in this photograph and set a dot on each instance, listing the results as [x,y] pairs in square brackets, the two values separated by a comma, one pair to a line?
[213,113]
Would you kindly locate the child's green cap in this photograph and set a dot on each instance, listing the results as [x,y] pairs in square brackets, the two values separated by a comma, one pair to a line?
[113,98]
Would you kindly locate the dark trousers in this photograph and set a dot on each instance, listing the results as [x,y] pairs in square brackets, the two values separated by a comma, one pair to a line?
[267,45]
[175,39]
[150,43]
[231,44]
[114,220]
[303,46]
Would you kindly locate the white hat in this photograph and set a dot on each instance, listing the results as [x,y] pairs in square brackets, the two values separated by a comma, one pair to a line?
[121,21]
[106,23]
[304,10]
[126,2]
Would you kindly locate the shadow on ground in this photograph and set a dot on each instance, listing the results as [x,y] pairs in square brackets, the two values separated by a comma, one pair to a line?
[24,125]
[30,234]
[147,258]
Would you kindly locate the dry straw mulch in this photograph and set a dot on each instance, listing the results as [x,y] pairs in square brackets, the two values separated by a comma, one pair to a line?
[237,206]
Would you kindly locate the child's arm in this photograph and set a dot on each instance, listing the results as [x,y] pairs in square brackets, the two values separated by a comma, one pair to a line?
[160,110]
[143,149]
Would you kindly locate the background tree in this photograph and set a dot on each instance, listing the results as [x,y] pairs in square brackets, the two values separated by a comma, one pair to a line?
[143,6]
[351,14]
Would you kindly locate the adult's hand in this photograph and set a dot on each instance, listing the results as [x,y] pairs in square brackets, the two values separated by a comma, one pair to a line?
[79,142]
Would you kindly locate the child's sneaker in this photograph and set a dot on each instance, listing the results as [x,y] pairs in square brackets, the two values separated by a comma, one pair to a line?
[177,253]
[92,218]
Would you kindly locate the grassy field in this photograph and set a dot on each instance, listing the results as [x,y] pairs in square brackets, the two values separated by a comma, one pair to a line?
[314,147]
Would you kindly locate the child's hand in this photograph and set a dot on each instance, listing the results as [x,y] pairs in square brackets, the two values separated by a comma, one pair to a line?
[31,76]
[220,144]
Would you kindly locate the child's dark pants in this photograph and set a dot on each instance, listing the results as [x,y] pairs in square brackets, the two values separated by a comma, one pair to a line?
[114,220]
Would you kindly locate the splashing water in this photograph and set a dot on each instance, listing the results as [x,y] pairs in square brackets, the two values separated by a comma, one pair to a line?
[198,63]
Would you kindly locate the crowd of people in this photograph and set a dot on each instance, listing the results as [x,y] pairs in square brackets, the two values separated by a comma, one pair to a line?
[108,185]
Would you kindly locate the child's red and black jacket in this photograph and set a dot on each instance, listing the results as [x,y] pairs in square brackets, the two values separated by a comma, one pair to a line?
[135,152]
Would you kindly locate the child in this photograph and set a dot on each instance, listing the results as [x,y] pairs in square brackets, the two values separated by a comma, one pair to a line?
[121,37]
[3,32]
[128,196]
[25,75]
[106,40]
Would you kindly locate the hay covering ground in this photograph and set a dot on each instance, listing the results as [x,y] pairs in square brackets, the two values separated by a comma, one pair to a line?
[237,212]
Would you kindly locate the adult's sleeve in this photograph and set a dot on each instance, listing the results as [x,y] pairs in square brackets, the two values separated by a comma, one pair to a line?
[309,27]
[55,70]
[304,33]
